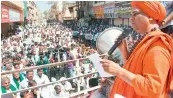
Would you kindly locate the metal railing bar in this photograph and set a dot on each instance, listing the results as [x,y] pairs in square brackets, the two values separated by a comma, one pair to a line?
[38,86]
[44,66]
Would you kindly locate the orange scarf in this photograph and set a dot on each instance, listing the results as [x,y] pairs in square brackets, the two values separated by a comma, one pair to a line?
[149,76]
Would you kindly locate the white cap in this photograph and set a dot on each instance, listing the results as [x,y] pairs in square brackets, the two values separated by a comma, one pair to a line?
[53,79]
[62,78]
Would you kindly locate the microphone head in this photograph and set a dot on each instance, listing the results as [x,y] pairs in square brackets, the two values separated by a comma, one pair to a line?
[126,32]
[118,41]
[109,37]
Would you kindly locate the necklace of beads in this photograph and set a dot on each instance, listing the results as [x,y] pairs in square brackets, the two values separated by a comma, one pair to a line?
[138,41]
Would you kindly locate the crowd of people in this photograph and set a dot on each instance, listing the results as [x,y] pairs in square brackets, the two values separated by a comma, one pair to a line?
[40,45]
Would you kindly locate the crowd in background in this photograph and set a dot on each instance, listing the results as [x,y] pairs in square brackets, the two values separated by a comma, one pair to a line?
[40,45]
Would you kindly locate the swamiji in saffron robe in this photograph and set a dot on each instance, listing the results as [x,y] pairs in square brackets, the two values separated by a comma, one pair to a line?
[151,61]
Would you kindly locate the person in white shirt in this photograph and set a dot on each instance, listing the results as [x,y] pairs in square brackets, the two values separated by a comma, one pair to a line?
[16,80]
[29,76]
[58,92]
[86,68]
[36,48]
[34,57]
[41,78]
[80,82]
[91,70]
[66,86]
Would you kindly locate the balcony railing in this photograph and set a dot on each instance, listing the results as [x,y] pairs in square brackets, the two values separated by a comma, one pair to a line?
[108,85]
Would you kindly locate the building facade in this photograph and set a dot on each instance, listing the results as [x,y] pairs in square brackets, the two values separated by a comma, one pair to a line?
[109,11]
[33,13]
[106,12]
[11,16]
[84,8]
[113,12]
[69,13]
[123,11]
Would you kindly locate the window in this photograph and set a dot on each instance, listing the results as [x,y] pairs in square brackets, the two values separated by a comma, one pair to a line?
[84,3]
[71,9]
[105,15]
[80,3]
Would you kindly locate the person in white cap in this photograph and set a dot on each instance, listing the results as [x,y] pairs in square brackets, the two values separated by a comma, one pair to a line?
[58,92]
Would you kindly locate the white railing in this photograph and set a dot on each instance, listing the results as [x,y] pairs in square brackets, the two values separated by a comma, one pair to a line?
[44,66]
[83,91]
[51,83]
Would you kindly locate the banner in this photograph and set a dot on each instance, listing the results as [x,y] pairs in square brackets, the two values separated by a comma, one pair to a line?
[109,10]
[123,9]
[10,15]
[99,11]
[4,14]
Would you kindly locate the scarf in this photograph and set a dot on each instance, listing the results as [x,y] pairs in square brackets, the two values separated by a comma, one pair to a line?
[16,81]
[3,89]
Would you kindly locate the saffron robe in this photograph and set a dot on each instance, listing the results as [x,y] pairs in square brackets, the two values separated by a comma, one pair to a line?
[151,61]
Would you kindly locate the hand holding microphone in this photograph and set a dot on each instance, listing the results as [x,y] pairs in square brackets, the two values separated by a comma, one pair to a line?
[110,66]
[119,40]
[104,46]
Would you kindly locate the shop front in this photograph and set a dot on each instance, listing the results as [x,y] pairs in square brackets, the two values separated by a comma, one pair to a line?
[109,12]
[10,17]
[123,11]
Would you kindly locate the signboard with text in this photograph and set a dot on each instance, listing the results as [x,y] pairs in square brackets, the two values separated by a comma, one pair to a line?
[109,11]
[4,14]
[123,9]
[99,11]
[10,15]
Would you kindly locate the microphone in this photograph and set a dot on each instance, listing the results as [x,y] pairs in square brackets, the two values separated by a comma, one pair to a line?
[124,34]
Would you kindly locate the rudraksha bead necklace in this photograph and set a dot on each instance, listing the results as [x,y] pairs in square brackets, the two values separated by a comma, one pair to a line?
[139,40]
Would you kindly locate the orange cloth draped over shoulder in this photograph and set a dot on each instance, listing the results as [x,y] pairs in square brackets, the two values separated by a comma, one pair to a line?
[152,62]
